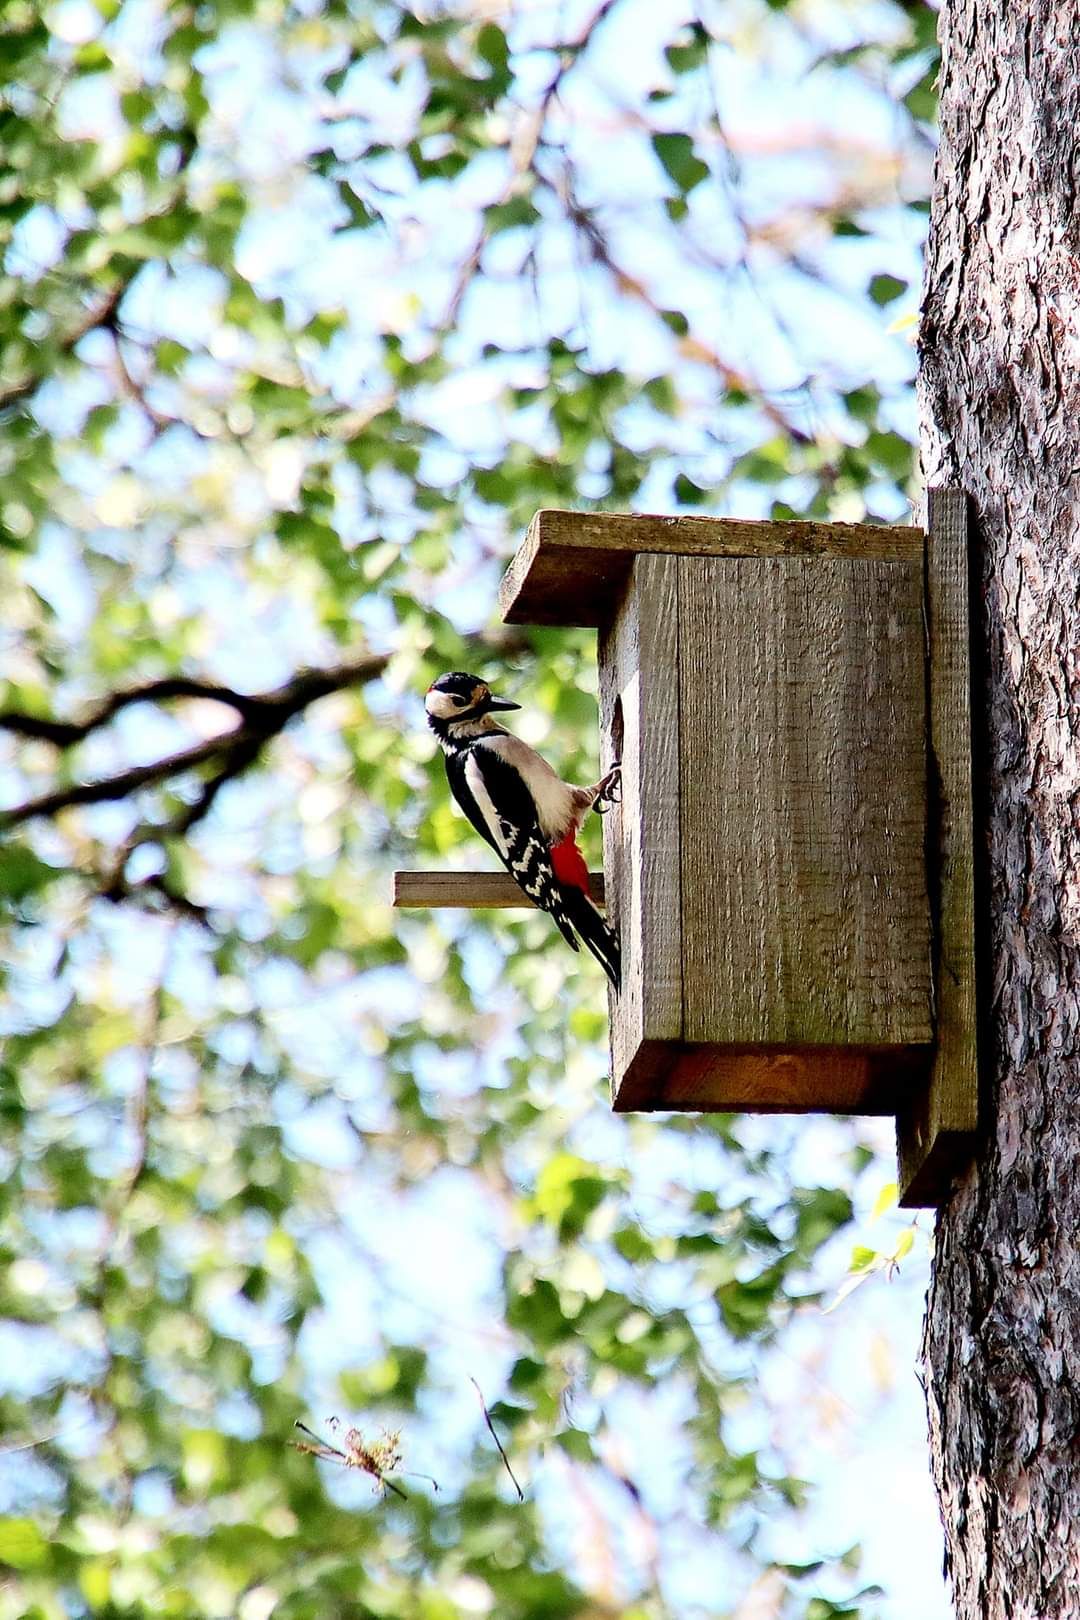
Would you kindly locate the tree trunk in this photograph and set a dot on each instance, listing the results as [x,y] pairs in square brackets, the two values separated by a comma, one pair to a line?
[1000,385]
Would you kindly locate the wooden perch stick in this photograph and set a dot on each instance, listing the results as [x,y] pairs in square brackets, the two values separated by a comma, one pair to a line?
[470,890]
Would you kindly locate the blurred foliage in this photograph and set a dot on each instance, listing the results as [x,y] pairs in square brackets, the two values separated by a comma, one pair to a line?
[306,308]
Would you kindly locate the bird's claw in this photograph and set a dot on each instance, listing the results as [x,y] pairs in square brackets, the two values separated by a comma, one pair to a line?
[610,790]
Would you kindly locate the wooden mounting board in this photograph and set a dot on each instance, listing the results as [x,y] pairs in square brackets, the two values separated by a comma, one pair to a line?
[935,1129]
[572,566]
[470,891]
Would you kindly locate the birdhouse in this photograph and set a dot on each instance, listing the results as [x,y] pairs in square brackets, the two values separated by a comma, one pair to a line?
[790,867]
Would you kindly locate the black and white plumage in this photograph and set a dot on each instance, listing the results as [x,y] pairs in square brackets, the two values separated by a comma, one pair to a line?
[528,815]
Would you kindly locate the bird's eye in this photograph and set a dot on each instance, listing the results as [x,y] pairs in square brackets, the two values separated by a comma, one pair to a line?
[459,701]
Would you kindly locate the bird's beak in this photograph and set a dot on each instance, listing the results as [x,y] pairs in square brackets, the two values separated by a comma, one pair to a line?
[494,702]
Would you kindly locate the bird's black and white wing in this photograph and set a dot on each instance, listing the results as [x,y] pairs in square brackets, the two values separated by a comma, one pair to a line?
[498,803]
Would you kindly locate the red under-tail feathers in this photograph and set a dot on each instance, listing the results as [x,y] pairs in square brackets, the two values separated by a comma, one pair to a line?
[568,865]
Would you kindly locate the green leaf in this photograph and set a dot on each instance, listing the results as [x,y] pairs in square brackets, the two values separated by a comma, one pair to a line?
[747,1306]
[505,216]
[576,1444]
[22,1545]
[689,51]
[863,403]
[675,321]
[687,493]
[491,45]
[681,163]
[892,452]
[22,873]
[568,1190]
[884,289]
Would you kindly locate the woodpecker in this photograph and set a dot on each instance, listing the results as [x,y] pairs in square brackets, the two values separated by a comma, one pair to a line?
[526,813]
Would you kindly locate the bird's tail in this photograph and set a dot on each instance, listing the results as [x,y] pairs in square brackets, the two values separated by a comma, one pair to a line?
[598,935]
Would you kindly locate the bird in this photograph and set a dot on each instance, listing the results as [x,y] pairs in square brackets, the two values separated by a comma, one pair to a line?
[529,816]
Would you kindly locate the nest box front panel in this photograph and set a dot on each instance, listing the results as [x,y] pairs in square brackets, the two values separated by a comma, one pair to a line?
[766,868]
[805,918]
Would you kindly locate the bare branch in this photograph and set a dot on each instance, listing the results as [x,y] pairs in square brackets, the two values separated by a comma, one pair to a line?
[117,885]
[66,733]
[264,715]
[170,899]
[238,760]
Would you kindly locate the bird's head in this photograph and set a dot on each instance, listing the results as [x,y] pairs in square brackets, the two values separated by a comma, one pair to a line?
[457,705]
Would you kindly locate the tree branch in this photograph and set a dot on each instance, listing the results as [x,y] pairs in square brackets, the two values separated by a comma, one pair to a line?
[100,314]
[117,887]
[66,733]
[263,716]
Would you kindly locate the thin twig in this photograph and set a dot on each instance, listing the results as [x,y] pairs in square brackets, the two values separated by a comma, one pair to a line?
[159,420]
[495,1437]
[523,156]
[692,348]
[358,1453]
[158,883]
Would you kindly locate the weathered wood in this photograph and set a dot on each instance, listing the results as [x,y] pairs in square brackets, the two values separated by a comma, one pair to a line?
[470,891]
[765,685]
[573,566]
[712,1079]
[935,1126]
[639,660]
[805,917]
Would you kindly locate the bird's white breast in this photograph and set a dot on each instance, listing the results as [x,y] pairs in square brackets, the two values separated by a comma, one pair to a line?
[555,800]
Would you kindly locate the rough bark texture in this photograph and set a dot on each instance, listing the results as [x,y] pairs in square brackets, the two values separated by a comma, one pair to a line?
[1001,398]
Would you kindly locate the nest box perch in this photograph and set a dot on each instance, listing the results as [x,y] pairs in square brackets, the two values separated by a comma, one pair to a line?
[790,869]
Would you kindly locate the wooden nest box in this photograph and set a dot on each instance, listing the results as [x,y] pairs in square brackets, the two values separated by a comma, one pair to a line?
[790,868]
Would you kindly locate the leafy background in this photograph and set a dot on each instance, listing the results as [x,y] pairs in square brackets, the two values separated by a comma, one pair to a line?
[306,309]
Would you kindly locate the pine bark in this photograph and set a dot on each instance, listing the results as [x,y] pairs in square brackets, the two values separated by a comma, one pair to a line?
[1000,389]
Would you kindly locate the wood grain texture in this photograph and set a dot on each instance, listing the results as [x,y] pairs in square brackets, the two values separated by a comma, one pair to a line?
[639,659]
[714,1079]
[573,566]
[471,891]
[805,917]
[935,1128]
